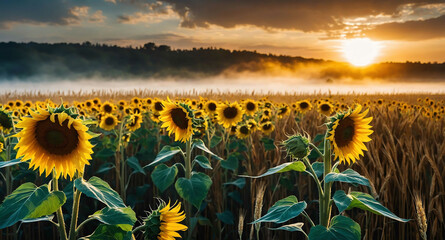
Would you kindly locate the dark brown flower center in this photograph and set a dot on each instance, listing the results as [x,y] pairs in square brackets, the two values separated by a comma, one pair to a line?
[159,106]
[108,108]
[230,112]
[212,106]
[5,120]
[179,117]
[344,132]
[250,106]
[56,139]
[109,121]
[244,130]
[136,110]
[304,105]
[325,107]
[267,126]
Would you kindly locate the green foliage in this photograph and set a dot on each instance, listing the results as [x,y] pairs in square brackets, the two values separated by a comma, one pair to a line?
[341,227]
[294,227]
[116,216]
[29,202]
[283,210]
[10,163]
[166,153]
[363,201]
[215,141]
[109,232]
[285,167]
[348,176]
[240,183]
[268,144]
[203,161]
[133,162]
[226,217]
[198,143]
[195,189]
[231,162]
[100,190]
[164,176]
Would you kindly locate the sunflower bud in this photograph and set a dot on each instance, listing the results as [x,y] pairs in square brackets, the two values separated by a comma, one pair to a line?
[152,225]
[297,146]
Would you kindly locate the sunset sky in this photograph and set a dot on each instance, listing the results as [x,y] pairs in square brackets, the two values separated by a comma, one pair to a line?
[402,30]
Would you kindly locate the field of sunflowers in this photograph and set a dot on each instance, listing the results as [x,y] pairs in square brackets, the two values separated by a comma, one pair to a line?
[147,165]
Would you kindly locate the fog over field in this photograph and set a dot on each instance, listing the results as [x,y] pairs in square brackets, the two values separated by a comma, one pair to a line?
[257,84]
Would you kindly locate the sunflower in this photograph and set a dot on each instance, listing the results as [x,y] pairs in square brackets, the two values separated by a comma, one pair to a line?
[108,122]
[54,139]
[243,131]
[267,127]
[135,122]
[252,125]
[107,107]
[164,223]
[229,114]
[157,105]
[1,147]
[5,120]
[233,129]
[304,106]
[325,108]
[250,107]
[178,119]
[347,133]
[210,107]
[283,111]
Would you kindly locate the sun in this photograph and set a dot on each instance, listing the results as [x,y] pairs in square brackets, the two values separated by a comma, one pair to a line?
[360,51]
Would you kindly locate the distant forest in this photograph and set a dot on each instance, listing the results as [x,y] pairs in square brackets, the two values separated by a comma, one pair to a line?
[32,60]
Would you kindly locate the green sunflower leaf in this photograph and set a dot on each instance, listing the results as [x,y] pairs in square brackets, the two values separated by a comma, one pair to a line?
[100,190]
[285,167]
[166,153]
[109,232]
[341,227]
[115,216]
[164,176]
[195,189]
[283,210]
[198,143]
[29,202]
[348,176]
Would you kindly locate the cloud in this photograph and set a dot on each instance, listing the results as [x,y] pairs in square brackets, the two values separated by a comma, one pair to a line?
[97,17]
[52,12]
[307,16]
[410,30]
[155,14]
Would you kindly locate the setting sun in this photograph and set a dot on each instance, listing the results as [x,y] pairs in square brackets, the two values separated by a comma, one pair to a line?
[360,51]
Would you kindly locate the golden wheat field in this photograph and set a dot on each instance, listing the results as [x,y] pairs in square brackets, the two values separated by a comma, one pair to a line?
[211,165]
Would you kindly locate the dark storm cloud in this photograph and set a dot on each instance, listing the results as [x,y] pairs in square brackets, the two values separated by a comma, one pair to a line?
[410,31]
[55,12]
[305,15]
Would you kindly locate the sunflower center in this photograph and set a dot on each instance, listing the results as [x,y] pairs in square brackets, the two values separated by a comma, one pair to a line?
[230,112]
[109,121]
[250,106]
[56,139]
[325,107]
[158,106]
[267,126]
[244,130]
[108,108]
[344,132]
[179,117]
[5,121]
[304,105]
[212,106]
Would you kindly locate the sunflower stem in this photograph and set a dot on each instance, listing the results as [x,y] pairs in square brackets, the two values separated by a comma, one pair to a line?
[325,206]
[316,149]
[121,162]
[75,213]
[188,173]
[59,213]
[138,228]
[83,224]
